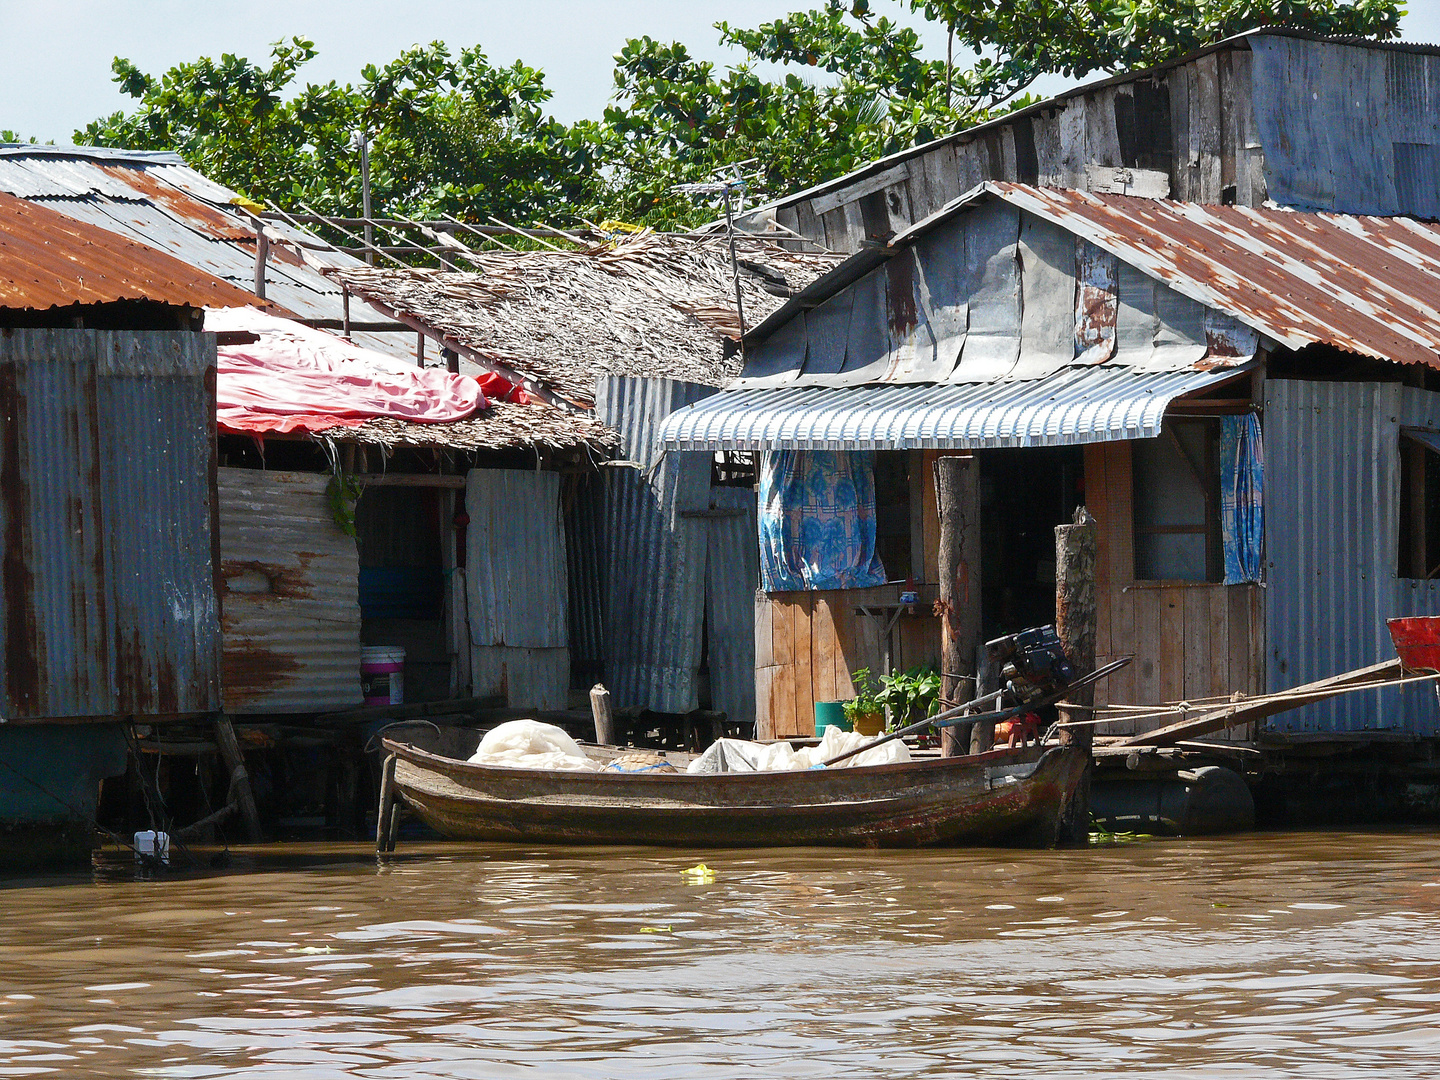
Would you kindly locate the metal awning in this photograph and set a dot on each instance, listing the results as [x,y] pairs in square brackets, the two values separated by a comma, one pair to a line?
[1073,406]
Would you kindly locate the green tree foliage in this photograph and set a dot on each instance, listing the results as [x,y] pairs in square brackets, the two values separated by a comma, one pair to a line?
[448,134]
[674,119]
[457,135]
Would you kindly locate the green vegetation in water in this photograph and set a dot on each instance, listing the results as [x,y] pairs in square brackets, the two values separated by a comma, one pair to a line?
[1099,834]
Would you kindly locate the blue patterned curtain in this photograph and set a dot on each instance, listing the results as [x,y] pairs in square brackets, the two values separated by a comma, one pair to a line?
[817,521]
[1242,504]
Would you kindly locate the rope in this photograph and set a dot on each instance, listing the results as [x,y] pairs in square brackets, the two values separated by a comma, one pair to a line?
[1185,708]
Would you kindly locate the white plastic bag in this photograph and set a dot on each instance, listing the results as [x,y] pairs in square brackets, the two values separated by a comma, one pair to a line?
[529,744]
[736,755]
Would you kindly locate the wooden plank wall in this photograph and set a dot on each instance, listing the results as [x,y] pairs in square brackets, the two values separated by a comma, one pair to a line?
[808,643]
[1190,129]
[1190,640]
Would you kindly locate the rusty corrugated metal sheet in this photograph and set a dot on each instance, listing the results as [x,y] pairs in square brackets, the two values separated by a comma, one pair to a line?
[1368,285]
[157,199]
[109,604]
[157,397]
[291,595]
[50,260]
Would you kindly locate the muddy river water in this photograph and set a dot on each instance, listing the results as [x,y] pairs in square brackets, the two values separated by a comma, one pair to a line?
[1313,954]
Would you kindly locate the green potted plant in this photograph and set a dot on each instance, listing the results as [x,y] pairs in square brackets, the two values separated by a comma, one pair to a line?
[910,696]
[865,712]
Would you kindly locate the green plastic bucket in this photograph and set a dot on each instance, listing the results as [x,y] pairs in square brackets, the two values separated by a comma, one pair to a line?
[830,714]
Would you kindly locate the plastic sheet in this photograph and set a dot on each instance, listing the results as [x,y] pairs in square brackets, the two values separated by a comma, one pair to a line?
[295,378]
[529,744]
[736,755]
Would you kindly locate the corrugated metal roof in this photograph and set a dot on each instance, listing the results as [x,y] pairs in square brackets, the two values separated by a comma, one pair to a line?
[292,604]
[50,260]
[1368,285]
[1075,405]
[155,198]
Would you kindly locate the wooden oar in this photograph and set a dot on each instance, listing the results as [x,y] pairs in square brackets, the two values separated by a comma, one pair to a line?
[954,717]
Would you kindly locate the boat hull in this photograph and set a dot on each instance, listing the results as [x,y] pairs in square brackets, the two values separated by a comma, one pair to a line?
[1002,796]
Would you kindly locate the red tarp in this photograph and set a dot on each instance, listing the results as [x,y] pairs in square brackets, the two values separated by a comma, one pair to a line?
[295,378]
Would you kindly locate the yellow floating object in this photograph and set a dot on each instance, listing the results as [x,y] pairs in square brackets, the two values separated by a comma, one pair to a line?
[700,875]
[656,929]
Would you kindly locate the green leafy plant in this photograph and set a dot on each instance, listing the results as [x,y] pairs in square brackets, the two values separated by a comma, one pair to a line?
[342,493]
[911,695]
[867,696]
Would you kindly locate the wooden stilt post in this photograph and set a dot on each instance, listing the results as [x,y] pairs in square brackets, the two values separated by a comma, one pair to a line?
[1075,618]
[240,790]
[957,493]
[604,715]
[384,816]
[987,681]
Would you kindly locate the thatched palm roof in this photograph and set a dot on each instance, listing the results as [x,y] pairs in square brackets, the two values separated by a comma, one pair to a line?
[651,305]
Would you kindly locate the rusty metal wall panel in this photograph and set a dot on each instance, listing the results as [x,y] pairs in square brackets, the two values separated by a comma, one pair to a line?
[1332,498]
[655,557]
[105,457]
[731,578]
[291,602]
[55,608]
[157,409]
[517,587]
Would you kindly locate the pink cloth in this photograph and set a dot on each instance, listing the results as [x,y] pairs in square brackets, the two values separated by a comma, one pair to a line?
[296,378]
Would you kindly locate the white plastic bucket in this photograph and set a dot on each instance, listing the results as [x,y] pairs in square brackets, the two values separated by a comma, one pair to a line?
[382,674]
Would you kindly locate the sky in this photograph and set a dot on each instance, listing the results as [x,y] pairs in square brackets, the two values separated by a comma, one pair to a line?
[55,76]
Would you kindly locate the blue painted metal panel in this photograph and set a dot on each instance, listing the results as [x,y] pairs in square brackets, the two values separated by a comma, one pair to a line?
[656,558]
[1332,499]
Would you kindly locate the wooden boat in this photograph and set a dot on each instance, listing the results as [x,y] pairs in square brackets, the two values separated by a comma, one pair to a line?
[1005,795]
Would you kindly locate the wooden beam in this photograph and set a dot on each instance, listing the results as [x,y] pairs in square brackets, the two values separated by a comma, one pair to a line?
[412,480]
[1209,720]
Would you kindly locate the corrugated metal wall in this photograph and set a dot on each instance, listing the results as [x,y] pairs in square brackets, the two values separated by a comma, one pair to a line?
[732,575]
[1332,502]
[291,595]
[105,458]
[655,558]
[681,563]
[155,403]
[517,581]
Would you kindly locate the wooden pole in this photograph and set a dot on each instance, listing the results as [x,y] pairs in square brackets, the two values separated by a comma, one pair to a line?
[1075,618]
[604,715]
[384,812]
[262,254]
[240,791]
[957,493]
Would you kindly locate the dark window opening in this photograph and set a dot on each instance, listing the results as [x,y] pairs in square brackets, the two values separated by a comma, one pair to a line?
[1024,494]
[1177,503]
[892,513]
[1419,555]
